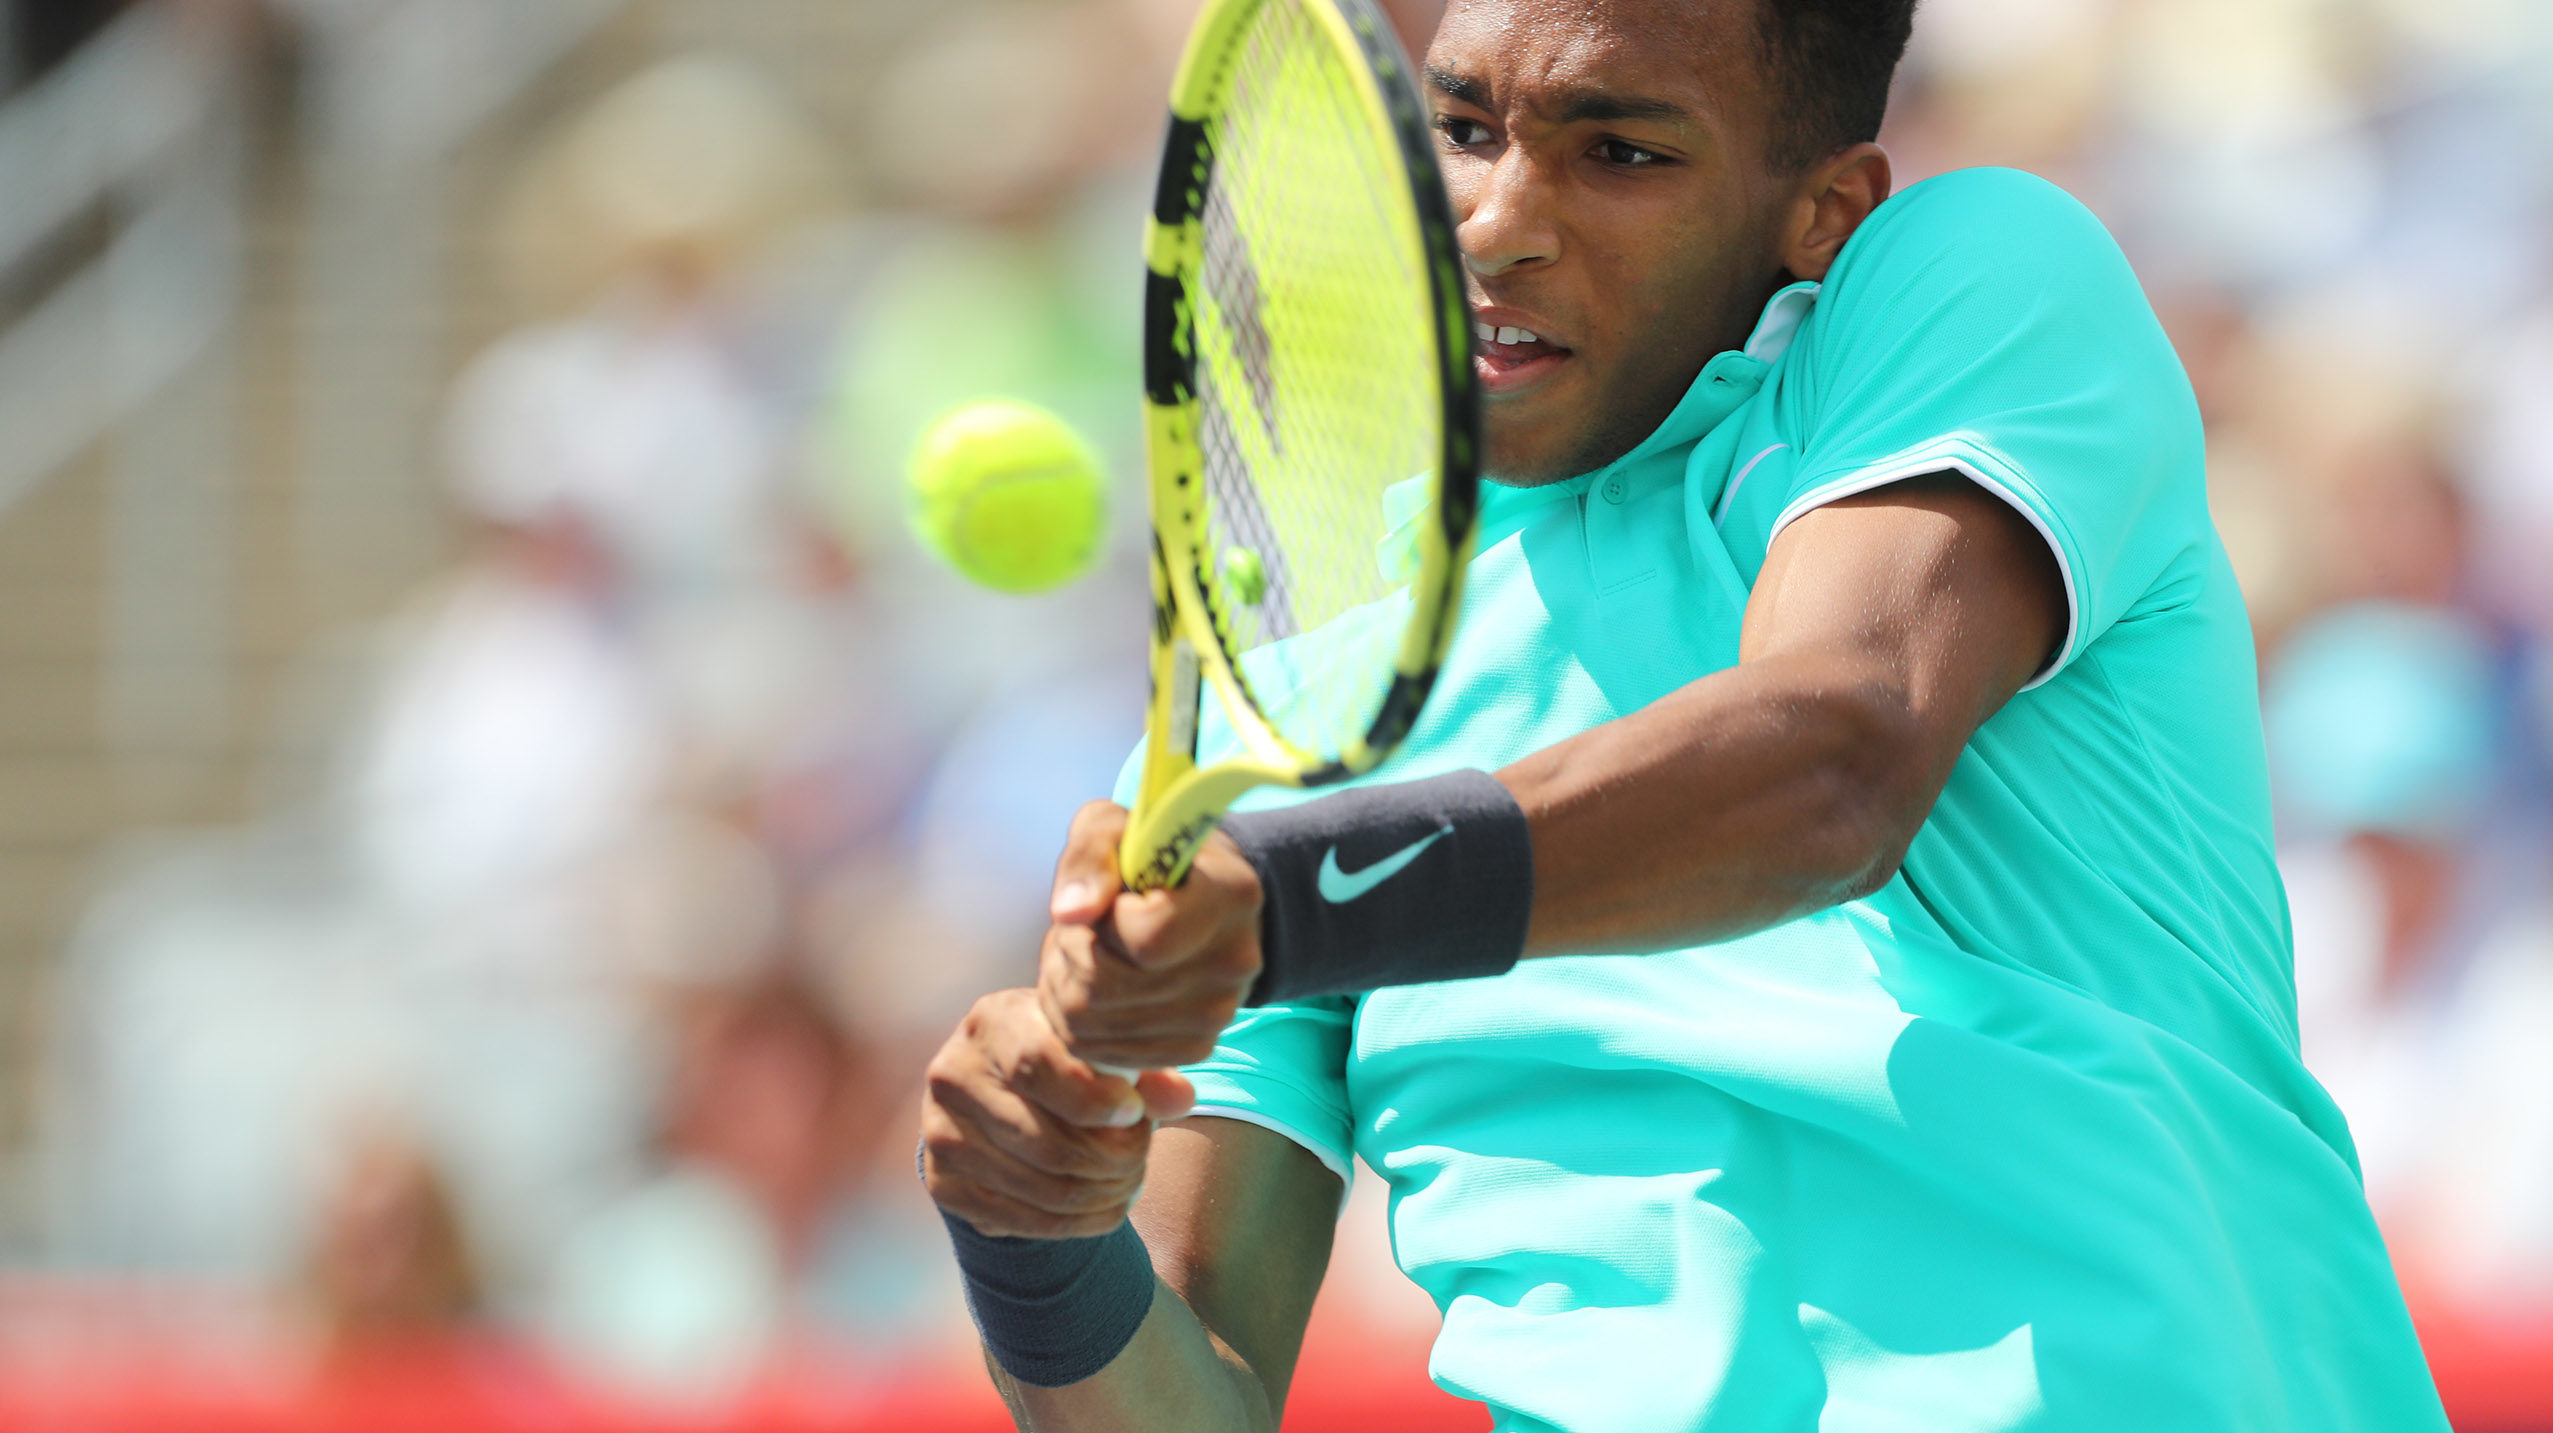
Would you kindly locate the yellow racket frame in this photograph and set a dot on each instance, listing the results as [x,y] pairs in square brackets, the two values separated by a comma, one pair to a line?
[1192,645]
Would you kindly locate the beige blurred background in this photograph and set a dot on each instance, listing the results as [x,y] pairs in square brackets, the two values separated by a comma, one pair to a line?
[495,808]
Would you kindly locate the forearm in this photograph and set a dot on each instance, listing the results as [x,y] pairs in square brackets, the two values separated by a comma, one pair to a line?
[1174,1377]
[1772,789]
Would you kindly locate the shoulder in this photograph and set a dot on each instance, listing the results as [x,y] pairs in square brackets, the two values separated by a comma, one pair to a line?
[1985,213]
[1992,239]
[1982,262]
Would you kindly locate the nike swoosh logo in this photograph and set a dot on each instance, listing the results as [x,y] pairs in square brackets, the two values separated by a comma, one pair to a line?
[1338,887]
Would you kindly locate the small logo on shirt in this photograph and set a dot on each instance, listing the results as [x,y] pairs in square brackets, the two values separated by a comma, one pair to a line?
[1338,887]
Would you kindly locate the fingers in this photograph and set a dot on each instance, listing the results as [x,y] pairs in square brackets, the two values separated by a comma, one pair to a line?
[1029,1057]
[1215,910]
[976,1161]
[1015,1132]
[1157,981]
[1110,1012]
[1086,875]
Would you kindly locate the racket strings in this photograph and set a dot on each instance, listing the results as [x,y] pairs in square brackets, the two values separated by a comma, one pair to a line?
[1316,372]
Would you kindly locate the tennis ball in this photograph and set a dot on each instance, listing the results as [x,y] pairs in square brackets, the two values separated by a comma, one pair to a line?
[1010,496]
[1244,576]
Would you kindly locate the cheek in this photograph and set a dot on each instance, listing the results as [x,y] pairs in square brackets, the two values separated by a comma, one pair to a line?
[1677,282]
[1462,173]
[1643,283]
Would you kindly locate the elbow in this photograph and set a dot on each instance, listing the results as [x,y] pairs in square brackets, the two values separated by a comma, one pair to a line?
[1857,848]
[1870,794]
[1871,875]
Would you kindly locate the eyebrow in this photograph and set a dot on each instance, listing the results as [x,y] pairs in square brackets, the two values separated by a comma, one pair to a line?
[1577,107]
[1460,88]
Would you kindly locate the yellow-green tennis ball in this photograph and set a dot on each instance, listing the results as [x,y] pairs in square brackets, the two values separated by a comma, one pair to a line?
[1244,576]
[1010,496]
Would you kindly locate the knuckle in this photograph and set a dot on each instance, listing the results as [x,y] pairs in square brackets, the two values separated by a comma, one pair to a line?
[1065,959]
[1116,1153]
[981,1016]
[1076,1100]
[1238,962]
[1031,1065]
[1073,999]
[1150,948]
[1095,818]
[940,1089]
[1117,1165]
[1053,1153]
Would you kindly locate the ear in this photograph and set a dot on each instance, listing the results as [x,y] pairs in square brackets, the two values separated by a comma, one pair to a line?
[1835,197]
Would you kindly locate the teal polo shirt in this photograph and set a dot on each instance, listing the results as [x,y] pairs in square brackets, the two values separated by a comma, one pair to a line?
[2019,1142]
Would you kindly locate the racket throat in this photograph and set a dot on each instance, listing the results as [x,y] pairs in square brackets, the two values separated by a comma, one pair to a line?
[1185,676]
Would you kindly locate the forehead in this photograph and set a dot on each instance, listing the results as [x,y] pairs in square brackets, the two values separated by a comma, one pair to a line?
[1696,52]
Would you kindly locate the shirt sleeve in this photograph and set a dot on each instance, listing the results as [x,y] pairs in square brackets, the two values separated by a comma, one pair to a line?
[1985,323]
[1281,1067]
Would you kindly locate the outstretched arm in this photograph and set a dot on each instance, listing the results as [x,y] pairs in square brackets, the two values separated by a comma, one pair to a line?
[1883,631]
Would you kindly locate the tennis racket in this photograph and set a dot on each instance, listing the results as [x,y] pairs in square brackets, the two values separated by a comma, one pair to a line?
[1313,433]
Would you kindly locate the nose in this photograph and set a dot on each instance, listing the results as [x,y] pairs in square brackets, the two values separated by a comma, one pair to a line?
[1507,220]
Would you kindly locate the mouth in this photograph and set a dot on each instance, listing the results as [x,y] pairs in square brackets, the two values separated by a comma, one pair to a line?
[1509,356]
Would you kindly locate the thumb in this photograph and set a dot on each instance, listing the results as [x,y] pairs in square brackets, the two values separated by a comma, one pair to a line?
[1167,1094]
[1086,882]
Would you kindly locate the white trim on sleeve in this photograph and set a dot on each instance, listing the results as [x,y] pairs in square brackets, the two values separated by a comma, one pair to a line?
[1951,455]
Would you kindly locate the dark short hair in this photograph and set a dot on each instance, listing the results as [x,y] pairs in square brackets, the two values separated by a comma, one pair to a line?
[1831,62]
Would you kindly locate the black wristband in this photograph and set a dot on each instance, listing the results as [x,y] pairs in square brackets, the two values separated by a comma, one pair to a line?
[1054,1311]
[1402,884]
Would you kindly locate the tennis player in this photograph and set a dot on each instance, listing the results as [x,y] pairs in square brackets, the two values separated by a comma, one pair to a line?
[1818,962]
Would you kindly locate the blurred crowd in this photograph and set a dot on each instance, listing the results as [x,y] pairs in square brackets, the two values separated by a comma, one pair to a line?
[669,831]
[674,825]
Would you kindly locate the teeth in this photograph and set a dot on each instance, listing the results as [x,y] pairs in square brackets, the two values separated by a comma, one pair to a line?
[1511,335]
[1524,335]
[1487,333]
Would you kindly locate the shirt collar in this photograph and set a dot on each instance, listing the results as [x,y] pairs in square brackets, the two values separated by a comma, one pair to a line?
[1783,315]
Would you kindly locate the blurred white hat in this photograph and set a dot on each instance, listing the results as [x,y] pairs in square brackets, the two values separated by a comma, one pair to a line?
[692,164]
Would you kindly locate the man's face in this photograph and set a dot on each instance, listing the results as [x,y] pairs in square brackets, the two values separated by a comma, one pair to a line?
[1607,160]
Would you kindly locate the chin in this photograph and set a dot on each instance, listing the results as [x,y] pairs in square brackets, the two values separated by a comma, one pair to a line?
[1523,464]
[1517,465]
[1527,478]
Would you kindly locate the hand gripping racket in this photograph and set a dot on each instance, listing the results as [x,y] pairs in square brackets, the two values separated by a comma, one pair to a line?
[1313,425]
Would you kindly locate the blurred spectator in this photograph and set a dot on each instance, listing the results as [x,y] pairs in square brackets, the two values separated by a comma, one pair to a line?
[2424,937]
[391,1263]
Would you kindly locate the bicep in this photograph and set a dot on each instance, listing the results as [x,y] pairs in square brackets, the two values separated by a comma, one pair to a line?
[1933,587]
[1239,1221]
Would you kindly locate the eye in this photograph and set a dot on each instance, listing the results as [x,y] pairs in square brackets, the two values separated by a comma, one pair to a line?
[1462,133]
[1624,155]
